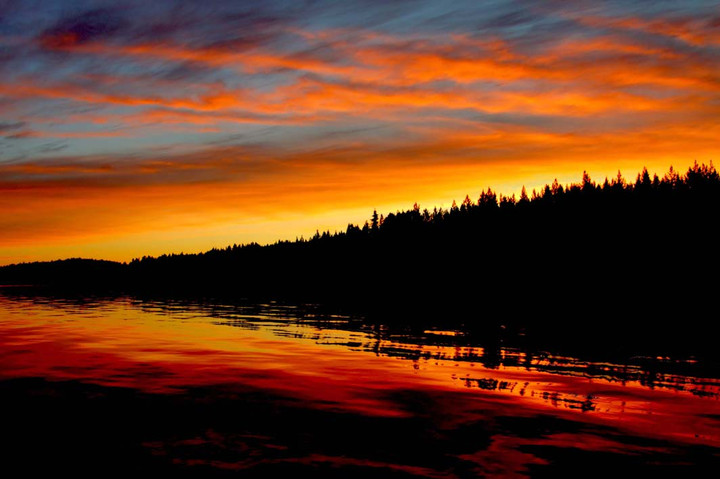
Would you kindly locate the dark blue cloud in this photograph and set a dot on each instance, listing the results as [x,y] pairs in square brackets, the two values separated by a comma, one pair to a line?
[93,25]
[7,126]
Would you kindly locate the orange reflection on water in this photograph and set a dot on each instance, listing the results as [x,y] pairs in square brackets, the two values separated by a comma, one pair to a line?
[167,348]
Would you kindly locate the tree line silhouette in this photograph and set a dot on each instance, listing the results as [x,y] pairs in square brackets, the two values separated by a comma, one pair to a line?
[581,256]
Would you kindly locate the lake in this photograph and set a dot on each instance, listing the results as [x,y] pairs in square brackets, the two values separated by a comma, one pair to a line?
[206,388]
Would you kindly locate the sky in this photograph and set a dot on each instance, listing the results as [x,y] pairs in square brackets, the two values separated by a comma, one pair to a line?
[131,128]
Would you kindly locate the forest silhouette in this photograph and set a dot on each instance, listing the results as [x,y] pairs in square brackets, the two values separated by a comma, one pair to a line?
[579,259]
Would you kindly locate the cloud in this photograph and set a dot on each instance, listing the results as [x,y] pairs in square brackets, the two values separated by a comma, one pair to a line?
[573,77]
[11,126]
[698,32]
[92,25]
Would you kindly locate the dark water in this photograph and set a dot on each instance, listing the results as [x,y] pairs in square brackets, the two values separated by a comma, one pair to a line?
[123,385]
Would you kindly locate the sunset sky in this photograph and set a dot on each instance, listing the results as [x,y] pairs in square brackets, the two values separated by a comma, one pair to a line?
[148,127]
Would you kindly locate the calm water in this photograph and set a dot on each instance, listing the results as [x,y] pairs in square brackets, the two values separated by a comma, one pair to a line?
[213,389]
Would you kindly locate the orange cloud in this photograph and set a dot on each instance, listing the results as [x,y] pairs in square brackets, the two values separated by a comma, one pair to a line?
[381,72]
[691,31]
[228,192]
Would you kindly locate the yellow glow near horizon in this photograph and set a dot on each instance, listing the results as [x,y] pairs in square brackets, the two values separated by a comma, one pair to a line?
[206,227]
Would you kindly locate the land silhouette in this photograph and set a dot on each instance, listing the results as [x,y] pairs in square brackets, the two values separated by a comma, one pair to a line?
[617,261]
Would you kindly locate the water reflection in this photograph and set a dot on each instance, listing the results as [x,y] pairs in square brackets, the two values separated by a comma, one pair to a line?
[485,408]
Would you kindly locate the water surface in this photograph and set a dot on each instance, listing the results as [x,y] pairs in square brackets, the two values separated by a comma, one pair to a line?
[205,388]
